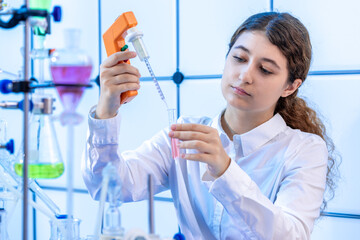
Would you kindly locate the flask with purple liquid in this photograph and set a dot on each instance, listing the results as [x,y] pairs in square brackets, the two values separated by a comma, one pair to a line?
[70,66]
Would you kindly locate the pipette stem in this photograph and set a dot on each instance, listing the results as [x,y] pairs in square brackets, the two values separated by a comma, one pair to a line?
[146,60]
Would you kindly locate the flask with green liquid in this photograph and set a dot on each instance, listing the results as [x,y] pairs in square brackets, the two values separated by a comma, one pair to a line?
[44,158]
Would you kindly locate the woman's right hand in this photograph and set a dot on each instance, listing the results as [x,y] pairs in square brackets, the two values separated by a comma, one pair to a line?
[115,78]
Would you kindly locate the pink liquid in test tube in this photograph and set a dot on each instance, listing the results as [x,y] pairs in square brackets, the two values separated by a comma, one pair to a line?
[175,152]
[174,148]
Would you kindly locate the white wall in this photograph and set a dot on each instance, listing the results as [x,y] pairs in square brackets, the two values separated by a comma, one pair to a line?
[205,30]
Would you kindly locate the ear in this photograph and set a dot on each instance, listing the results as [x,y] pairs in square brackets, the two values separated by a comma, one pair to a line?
[291,87]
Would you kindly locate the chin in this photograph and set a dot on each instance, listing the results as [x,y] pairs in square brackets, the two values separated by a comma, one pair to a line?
[239,104]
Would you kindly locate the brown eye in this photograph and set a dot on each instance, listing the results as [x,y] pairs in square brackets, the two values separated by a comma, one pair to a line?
[239,59]
[265,71]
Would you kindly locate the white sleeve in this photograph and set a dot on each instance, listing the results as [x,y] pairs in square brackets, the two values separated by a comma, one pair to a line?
[297,203]
[152,157]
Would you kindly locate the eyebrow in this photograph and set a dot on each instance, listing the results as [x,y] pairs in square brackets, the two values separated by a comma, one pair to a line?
[263,59]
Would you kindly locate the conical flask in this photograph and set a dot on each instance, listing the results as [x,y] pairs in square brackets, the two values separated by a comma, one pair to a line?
[44,154]
[70,66]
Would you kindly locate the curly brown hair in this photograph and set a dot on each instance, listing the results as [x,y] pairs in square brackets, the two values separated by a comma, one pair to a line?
[292,38]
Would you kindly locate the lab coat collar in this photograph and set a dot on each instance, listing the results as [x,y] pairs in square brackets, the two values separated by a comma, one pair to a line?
[255,138]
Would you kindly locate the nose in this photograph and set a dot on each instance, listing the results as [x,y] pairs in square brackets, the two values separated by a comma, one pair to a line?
[245,74]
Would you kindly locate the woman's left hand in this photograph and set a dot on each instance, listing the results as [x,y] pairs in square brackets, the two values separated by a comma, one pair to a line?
[206,141]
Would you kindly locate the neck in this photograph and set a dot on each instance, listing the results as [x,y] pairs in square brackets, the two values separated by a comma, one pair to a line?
[235,121]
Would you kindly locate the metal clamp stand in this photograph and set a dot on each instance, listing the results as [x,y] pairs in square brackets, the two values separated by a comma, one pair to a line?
[22,15]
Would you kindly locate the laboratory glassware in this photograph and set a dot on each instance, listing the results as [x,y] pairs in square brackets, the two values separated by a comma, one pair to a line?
[9,174]
[112,228]
[11,185]
[3,225]
[60,229]
[43,5]
[175,152]
[44,156]
[71,67]
[7,198]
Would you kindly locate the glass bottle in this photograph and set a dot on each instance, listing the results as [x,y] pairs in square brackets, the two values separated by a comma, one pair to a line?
[70,66]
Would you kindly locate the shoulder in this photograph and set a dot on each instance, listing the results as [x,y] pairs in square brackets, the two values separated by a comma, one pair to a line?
[309,147]
[301,138]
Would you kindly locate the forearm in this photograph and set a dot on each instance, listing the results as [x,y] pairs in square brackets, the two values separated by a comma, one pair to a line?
[133,167]
[262,220]
[290,216]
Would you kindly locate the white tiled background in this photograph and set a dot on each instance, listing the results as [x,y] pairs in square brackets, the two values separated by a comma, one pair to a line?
[205,28]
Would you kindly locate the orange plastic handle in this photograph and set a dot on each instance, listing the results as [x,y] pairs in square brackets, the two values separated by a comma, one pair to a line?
[114,41]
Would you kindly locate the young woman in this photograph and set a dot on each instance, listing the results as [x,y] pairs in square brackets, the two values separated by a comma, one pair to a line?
[258,170]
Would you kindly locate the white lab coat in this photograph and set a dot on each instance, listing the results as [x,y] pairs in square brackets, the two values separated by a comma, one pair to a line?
[273,188]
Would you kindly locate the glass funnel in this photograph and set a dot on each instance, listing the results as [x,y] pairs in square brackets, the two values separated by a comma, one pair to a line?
[71,67]
[44,158]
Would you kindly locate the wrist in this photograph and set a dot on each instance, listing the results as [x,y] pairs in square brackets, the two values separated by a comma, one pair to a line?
[99,114]
[218,172]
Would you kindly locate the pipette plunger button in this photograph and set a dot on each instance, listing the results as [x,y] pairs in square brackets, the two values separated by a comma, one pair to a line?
[124,47]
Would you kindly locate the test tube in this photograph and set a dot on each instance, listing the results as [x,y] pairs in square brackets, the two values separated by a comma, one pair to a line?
[175,152]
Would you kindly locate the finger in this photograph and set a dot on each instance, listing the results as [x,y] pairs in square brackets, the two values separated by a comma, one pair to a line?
[189,135]
[191,127]
[115,58]
[198,145]
[200,157]
[120,79]
[121,68]
[117,89]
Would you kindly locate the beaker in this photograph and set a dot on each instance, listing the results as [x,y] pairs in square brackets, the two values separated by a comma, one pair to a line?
[44,158]
[73,67]
[175,152]
[63,222]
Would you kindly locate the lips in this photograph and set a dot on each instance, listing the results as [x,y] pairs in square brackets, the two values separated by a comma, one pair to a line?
[240,91]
